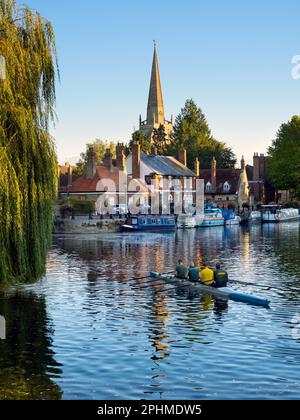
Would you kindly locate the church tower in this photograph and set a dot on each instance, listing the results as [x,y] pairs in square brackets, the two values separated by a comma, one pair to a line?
[155,109]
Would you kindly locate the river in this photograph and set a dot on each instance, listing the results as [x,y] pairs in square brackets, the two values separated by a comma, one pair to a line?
[87,332]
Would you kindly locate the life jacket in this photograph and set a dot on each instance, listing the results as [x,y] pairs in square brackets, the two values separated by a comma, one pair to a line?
[221,278]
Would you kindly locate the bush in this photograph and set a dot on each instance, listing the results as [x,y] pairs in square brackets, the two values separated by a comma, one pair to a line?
[83,206]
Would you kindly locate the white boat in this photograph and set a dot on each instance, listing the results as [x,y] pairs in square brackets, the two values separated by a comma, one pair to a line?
[278,214]
[254,217]
[231,219]
[233,222]
[223,292]
[185,221]
[212,217]
[198,219]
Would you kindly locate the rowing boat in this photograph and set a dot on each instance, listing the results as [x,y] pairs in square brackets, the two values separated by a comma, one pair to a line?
[223,292]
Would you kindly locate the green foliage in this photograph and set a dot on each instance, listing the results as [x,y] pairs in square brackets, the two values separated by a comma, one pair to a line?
[28,167]
[145,142]
[82,206]
[284,157]
[159,140]
[191,132]
[100,147]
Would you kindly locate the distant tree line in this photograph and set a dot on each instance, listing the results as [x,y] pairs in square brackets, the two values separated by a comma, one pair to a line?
[284,157]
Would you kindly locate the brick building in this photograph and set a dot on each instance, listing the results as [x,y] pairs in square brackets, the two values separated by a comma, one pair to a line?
[164,175]
[226,187]
[261,189]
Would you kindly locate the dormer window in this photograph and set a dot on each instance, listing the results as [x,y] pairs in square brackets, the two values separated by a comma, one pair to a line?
[226,187]
[208,187]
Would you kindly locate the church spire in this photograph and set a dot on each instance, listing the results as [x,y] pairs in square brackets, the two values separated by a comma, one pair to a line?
[155,110]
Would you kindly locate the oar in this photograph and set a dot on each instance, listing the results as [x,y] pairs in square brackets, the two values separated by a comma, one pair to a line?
[256,285]
[136,278]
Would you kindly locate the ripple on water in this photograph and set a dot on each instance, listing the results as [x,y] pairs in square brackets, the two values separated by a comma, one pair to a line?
[88,333]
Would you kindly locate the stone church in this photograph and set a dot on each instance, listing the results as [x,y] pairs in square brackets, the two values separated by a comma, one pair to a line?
[155,109]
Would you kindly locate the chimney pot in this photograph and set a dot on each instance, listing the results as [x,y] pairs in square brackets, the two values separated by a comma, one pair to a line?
[183,157]
[136,160]
[214,174]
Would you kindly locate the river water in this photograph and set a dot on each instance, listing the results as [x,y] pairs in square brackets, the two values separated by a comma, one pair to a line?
[87,332]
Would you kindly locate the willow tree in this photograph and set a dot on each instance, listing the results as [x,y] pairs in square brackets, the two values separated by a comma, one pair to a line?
[28,174]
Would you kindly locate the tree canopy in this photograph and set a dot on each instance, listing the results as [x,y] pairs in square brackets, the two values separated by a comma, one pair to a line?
[28,166]
[284,157]
[191,132]
[99,147]
[140,137]
[159,140]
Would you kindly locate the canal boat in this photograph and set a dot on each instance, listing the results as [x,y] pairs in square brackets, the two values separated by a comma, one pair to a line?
[212,217]
[223,292]
[278,214]
[185,221]
[154,223]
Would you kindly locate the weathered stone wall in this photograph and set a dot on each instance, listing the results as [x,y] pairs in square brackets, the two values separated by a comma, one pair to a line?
[84,226]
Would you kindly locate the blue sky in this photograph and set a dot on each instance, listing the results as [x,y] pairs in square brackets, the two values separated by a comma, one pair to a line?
[232,57]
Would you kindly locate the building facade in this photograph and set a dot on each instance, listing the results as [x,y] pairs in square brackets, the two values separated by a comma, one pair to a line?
[226,187]
[261,189]
[167,178]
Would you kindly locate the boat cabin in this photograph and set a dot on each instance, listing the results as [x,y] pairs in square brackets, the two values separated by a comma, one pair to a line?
[150,222]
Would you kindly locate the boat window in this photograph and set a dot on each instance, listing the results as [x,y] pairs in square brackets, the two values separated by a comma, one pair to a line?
[134,221]
[158,221]
[154,221]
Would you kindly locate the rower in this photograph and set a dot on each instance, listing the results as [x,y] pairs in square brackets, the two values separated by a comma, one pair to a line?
[194,275]
[207,275]
[220,277]
[181,270]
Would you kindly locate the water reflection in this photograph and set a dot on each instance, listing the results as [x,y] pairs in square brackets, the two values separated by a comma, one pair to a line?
[26,358]
[114,337]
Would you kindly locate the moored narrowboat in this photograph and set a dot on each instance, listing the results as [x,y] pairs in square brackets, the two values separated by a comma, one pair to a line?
[154,223]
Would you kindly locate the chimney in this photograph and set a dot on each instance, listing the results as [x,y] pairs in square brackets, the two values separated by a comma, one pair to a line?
[91,165]
[107,159]
[120,157]
[262,164]
[256,164]
[136,160]
[243,163]
[197,167]
[70,176]
[182,157]
[214,174]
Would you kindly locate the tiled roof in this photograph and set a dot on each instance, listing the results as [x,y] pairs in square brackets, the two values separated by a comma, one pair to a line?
[166,165]
[85,185]
[232,176]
